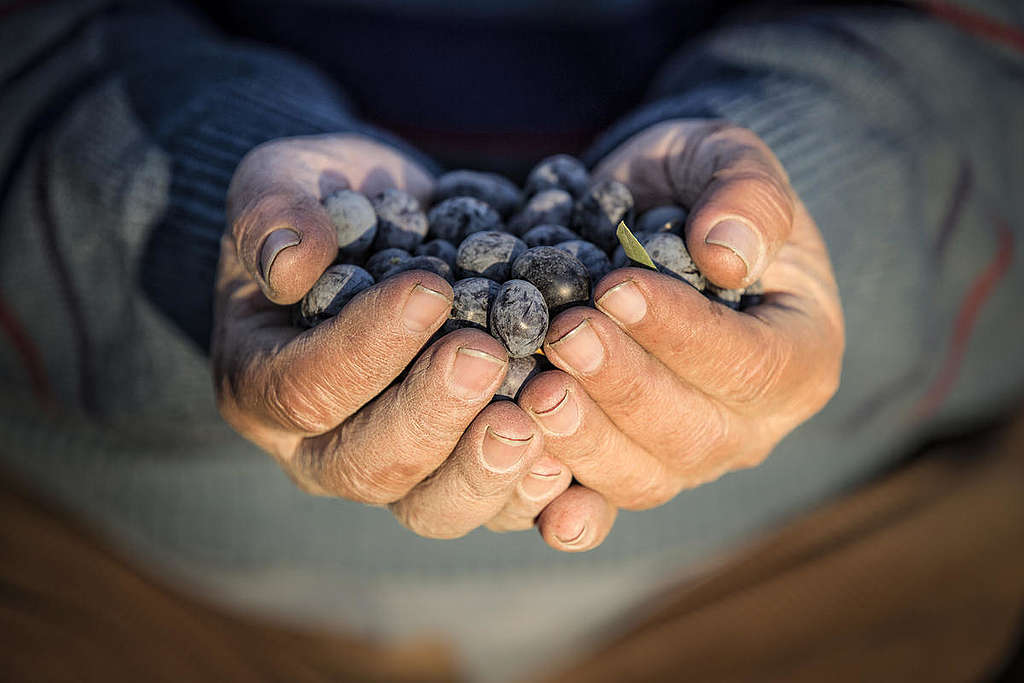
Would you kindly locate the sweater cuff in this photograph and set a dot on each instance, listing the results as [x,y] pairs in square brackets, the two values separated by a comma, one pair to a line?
[249,97]
[814,134]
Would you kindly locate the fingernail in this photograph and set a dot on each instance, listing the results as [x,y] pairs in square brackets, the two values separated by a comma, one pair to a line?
[562,419]
[543,476]
[570,539]
[475,372]
[502,453]
[738,237]
[276,242]
[423,308]
[581,349]
[546,468]
[624,302]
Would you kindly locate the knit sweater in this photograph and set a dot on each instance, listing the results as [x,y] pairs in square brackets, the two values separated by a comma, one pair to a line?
[903,134]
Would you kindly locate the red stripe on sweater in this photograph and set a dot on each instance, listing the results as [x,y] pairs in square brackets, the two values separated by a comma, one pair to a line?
[30,356]
[973,22]
[980,291]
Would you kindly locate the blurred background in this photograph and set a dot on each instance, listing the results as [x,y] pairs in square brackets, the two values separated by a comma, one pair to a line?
[143,539]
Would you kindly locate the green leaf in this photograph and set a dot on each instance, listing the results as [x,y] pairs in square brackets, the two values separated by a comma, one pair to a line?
[631,245]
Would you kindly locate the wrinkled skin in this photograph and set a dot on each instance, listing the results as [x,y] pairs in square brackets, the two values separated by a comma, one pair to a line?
[323,402]
[652,396]
[661,390]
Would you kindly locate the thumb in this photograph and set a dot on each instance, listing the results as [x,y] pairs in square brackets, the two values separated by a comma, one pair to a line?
[285,240]
[744,213]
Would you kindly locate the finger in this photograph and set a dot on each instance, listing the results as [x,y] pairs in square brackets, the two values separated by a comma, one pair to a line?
[285,240]
[729,355]
[397,440]
[643,399]
[733,357]
[325,374]
[600,456]
[546,480]
[321,164]
[741,204]
[744,212]
[282,234]
[477,480]
[577,520]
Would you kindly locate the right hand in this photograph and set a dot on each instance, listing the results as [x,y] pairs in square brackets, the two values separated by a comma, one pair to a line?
[324,401]
[659,390]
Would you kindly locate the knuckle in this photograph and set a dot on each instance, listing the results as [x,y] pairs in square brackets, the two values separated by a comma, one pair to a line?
[629,389]
[654,490]
[424,521]
[746,144]
[410,517]
[740,155]
[427,427]
[298,406]
[709,436]
[307,469]
[375,349]
[482,486]
[717,430]
[363,367]
[324,465]
[765,197]
[772,198]
[382,479]
[365,488]
[758,375]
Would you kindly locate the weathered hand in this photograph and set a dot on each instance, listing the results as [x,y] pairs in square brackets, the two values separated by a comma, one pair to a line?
[661,389]
[324,402]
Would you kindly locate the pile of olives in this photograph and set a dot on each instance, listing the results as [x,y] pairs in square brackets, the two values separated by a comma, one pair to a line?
[514,257]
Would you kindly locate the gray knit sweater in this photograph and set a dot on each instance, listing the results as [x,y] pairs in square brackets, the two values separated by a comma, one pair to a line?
[903,133]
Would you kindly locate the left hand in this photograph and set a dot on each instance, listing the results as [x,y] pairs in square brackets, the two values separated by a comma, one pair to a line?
[661,389]
[325,402]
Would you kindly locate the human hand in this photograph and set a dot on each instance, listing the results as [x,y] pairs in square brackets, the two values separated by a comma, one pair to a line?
[662,390]
[324,401]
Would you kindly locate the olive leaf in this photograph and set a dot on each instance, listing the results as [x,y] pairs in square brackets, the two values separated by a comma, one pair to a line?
[631,245]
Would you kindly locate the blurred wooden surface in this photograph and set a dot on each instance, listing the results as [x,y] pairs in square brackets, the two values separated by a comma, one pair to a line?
[918,577]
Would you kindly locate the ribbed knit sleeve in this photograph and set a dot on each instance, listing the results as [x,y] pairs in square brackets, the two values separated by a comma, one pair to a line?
[901,132]
[123,123]
[207,102]
[817,86]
